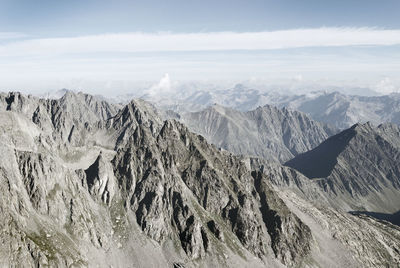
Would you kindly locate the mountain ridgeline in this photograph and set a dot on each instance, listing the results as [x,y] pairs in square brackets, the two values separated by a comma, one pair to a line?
[334,108]
[342,111]
[359,165]
[356,170]
[267,132]
[88,183]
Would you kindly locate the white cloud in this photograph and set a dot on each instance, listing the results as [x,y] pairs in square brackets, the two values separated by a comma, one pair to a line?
[386,86]
[298,78]
[68,62]
[147,42]
[164,86]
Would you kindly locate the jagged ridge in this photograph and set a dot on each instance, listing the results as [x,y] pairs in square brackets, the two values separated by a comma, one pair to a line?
[360,163]
[267,132]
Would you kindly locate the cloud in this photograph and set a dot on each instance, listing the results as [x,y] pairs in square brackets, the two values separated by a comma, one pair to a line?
[163,86]
[91,61]
[214,41]
[386,86]
[298,78]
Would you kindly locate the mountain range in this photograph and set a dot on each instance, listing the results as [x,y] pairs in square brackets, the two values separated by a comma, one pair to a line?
[355,170]
[267,132]
[85,182]
[342,111]
[334,108]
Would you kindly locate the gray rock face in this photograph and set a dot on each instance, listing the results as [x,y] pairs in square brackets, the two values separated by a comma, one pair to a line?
[134,189]
[217,184]
[359,165]
[267,132]
[100,180]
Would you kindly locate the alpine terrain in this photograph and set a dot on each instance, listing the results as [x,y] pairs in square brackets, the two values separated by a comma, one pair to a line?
[359,165]
[334,108]
[86,183]
[266,132]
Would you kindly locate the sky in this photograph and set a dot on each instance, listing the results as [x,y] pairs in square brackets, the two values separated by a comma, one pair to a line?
[107,46]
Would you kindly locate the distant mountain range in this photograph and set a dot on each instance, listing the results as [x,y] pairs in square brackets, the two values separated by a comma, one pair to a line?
[343,111]
[336,109]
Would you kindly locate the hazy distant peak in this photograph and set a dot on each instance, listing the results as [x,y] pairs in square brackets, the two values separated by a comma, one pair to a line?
[57,94]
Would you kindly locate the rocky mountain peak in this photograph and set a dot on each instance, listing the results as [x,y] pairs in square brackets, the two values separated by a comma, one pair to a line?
[268,132]
[18,102]
[360,162]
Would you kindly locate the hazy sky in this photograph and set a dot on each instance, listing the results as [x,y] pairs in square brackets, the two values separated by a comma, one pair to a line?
[114,45]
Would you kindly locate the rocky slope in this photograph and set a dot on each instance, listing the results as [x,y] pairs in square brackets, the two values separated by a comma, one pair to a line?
[129,188]
[358,165]
[267,132]
[65,117]
[371,243]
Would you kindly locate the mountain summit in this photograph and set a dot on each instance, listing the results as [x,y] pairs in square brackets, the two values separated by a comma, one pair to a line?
[358,164]
[267,132]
